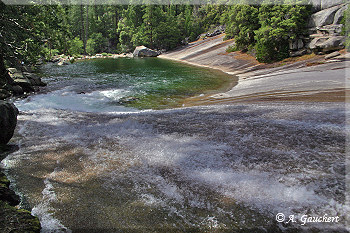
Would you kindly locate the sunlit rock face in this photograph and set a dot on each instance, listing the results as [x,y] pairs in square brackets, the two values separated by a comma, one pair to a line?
[324,4]
[325,26]
[142,51]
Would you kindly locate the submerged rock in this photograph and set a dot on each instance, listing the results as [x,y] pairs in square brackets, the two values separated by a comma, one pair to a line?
[142,51]
[128,100]
[6,194]
[8,121]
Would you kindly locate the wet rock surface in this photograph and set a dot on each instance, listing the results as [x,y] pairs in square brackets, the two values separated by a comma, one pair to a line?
[13,219]
[17,220]
[8,121]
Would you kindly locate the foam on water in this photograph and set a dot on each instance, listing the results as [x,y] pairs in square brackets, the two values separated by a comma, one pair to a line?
[96,101]
[44,212]
[195,164]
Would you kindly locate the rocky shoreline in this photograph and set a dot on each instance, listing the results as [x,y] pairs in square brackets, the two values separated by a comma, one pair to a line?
[12,218]
[140,51]
[19,82]
[14,83]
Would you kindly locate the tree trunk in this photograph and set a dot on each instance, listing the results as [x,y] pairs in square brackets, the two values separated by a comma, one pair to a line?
[82,34]
[151,27]
[86,27]
[116,18]
[3,80]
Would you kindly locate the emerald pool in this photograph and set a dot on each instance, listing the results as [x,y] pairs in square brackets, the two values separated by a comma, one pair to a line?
[139,83]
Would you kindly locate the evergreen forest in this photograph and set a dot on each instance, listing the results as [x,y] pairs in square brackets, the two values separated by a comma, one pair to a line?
[33,32]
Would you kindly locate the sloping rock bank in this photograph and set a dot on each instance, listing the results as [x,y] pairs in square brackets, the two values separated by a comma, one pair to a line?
[312,77]
[315,71]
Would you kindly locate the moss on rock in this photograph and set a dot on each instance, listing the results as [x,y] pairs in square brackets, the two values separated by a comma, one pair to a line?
[17,220]
[4,182]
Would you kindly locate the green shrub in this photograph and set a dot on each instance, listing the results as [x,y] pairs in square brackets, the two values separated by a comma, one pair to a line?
[243,21]
[231,48]
[48,53]
[279,23]
[75,47]
[96,43]
[90,46]
[268,48]
[346,28]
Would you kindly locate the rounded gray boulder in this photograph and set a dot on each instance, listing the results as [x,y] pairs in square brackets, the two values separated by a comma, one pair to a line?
[8,121]
[142,51]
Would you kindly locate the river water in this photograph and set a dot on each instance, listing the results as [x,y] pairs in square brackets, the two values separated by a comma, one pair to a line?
[90,162]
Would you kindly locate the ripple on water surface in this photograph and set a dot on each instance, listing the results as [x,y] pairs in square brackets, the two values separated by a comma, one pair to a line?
[150,83]
[201,168]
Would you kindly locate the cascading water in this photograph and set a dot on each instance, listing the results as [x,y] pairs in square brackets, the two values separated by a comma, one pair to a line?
[87,163]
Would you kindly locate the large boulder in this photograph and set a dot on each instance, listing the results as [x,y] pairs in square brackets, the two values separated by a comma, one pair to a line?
[296,44]
[8,121]
[34,80]
[324,17]
[329,30]
[340,14]
[330,3]
[12,70]
[14,73]
[332,55]
[16,90]
[327,44]
[324,4]
[9,196]
[25,84]
[21,82]
[63,62]
[4,94]
[298,53]
[142,51]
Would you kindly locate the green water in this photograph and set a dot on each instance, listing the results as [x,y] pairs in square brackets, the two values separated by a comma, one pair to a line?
[143,83]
